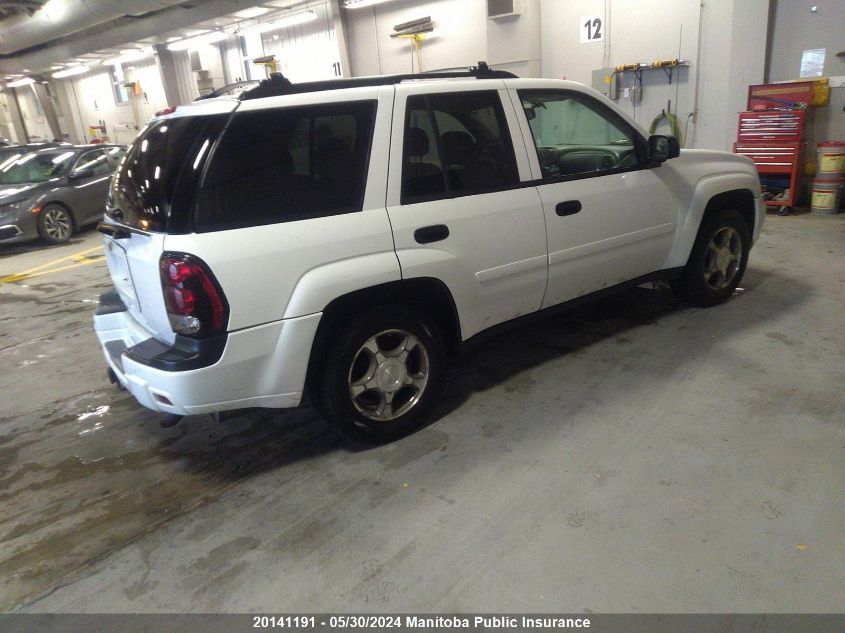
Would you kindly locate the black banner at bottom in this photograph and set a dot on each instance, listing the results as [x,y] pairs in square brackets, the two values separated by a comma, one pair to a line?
[256,623]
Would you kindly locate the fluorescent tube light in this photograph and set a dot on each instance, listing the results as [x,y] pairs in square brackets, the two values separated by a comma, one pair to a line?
[280,23]
[252,12]
[126,56]
[360,4]
[199,40]
[69,72]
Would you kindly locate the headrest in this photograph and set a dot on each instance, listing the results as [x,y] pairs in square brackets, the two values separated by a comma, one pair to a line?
[416,142]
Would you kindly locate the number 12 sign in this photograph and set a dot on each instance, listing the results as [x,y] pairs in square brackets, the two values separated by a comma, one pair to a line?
[592,28]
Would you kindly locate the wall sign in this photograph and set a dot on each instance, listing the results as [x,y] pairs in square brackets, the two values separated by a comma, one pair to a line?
[592,28]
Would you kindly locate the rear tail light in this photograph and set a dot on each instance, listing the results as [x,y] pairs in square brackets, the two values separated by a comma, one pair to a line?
[195,303]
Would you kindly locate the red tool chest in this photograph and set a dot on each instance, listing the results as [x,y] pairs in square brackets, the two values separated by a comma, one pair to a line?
[772,139]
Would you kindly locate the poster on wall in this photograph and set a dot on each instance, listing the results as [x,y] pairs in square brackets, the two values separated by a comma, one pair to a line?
[592,28]
[812,62]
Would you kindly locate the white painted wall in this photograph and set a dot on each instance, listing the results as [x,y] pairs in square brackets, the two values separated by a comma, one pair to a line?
[545,41]
[306,52]
[93,101]
[459,38]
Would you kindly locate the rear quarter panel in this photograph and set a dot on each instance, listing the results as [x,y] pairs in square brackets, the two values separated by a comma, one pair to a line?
[292,269]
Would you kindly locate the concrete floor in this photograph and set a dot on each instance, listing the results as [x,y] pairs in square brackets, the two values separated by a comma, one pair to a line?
[634,455]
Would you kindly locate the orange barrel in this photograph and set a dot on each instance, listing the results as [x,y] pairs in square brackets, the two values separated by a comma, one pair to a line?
[831,163]
[827,195]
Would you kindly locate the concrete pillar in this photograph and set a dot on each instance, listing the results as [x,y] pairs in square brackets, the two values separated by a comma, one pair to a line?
[168,71]
[340,34]
[47,108]
[16,116]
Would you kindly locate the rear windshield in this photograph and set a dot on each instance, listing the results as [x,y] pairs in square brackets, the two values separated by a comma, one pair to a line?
[155,187]
[287,164]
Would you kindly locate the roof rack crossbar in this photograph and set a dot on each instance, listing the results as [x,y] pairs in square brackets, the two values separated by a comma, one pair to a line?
[278,85]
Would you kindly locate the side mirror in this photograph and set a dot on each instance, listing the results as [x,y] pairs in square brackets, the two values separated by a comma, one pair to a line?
[79,174]
[661,148]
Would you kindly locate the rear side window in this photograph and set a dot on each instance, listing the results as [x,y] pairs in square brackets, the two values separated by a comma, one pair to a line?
[288,164]
[456,144]
[155,186]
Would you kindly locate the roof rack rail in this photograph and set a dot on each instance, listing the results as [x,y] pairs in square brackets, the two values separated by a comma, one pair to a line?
[278,84]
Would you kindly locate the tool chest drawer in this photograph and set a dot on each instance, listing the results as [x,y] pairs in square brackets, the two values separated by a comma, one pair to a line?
[770,158]
[781,126]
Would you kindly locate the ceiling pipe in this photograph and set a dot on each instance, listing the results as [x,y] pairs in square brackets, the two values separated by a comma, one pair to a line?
[61,18]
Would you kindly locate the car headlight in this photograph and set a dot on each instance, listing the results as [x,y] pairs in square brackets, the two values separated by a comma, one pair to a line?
[11,209]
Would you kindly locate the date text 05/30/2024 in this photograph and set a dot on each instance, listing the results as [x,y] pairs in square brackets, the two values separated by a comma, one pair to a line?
[419,622]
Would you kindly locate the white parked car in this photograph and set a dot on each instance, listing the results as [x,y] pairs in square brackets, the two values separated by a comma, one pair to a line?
[344,237]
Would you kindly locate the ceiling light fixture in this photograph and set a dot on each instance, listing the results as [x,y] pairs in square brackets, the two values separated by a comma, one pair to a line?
[17,83]
[126,56]
[69,72]
[360,4]
[292,19]
[252,12]
[199,40]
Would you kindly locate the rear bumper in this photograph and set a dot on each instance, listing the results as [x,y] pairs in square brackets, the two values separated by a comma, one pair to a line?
[262,366]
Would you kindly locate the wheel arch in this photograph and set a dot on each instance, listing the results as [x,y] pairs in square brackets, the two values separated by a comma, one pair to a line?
[729,191]
[428,295]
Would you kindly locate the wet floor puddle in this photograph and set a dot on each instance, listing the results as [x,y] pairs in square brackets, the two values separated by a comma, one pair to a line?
[94,472]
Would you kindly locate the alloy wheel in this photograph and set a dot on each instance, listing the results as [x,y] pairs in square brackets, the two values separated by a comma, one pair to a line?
[722,258]
[57,224]
[388,375]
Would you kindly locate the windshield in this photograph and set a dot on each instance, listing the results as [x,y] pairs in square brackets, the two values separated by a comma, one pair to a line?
[35,167]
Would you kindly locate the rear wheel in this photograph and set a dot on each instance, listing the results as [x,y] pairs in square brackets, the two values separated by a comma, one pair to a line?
[717,261]
[381,375]
[55,224]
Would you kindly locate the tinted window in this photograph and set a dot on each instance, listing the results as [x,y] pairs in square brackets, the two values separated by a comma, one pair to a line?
[35,167]
[94,163]
[574,134]
[156,184]
[288,164]
[456,144]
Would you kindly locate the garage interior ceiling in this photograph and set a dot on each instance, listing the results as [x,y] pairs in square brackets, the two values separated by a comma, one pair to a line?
[35,35]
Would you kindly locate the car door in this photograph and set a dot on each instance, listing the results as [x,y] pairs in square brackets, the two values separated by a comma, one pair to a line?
[89,185]
[609,216]
[457,204]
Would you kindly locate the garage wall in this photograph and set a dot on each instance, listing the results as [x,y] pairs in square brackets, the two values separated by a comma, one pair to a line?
[306,52]
[459,38]
[795,29]
[545,41]
[91,99]
[705,34]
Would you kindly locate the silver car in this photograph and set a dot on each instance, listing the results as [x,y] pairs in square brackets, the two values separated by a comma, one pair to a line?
[50,193]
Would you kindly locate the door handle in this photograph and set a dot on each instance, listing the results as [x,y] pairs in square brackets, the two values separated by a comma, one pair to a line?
[433,233]
[570,207]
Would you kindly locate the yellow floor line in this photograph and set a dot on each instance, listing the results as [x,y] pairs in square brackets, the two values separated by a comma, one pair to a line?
[60,259]
[82,259]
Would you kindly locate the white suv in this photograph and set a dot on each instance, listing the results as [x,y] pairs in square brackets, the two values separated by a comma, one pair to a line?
[344,236]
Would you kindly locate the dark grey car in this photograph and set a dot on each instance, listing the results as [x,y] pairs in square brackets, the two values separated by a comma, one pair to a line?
[50,193]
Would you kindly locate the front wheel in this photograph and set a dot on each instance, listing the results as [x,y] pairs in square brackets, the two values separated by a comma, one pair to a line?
[55,224]
[381,375]
[717,261]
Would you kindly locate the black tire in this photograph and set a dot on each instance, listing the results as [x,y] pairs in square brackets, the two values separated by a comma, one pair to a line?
[715,267]
[346,363]
[55,224]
